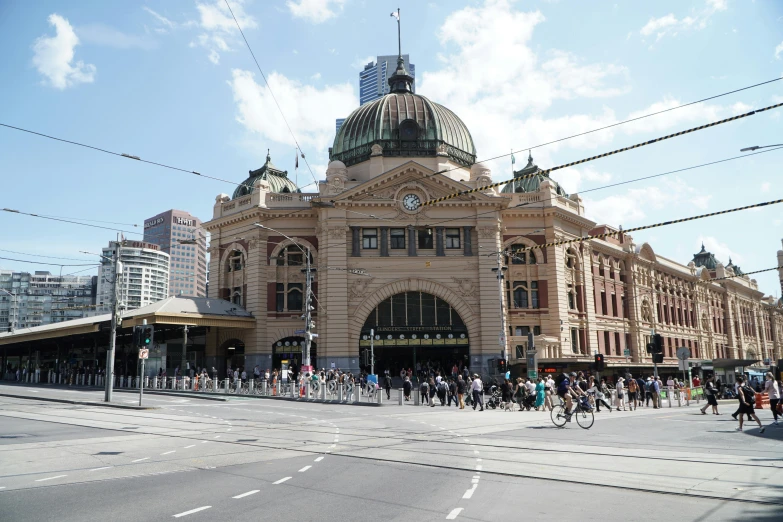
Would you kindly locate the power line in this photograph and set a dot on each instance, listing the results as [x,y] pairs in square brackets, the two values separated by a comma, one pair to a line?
[605,127]
[41,255]
[743,274]
[41,263]
[269,88]
[602,187]
[69,221]
[605,154]
[646,227]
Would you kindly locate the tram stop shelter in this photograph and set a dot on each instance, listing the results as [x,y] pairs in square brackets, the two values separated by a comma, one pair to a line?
[81,344]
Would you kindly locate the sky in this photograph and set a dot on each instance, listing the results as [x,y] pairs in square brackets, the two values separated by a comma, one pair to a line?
[172,82]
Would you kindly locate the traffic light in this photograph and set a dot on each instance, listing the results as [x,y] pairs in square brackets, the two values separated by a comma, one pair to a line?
[657,341]
[599,362]
[502,366]
[147,335]
[137,335]
[658,358]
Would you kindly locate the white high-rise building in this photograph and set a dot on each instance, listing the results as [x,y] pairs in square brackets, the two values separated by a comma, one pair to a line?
[144,280]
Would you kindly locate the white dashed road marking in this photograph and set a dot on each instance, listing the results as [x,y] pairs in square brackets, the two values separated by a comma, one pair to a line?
[469,493]
[304,469]
[172,451]
[51,478]
[98,469]
[191,446]
[243,495]
[319,459]
[454,513]
[202,508]
[282,480]
[139,460]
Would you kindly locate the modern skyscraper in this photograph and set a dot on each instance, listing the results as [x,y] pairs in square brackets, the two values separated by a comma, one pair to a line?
[374,80]
[145,276]
[180,235]
[28,300]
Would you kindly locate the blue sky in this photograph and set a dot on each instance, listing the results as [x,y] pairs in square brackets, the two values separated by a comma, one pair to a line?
[171,81]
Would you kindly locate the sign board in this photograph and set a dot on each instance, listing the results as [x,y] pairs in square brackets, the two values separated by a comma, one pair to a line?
[144,353]
[284,371]
[683,364]
[627,352]
[502,339]
[532,364]
[683,353]
[299,332]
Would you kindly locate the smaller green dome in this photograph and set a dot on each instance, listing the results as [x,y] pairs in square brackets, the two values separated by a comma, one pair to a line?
[277,179]
[737,270]
[705,259]
[529,179]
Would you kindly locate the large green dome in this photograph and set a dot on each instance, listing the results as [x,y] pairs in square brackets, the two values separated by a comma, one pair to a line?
[404,124]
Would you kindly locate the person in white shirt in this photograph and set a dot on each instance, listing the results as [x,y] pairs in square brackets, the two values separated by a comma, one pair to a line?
[549,387]
[531,387]
[772,389]
[477,387]
[620,393]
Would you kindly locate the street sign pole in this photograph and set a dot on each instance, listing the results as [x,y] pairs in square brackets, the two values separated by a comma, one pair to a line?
[532,357]
[141,375]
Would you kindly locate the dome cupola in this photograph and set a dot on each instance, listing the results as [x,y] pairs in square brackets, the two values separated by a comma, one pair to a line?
[705,259]
[277,179]
[529,179]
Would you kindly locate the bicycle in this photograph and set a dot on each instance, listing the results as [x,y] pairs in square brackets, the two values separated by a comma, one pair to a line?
[582,412]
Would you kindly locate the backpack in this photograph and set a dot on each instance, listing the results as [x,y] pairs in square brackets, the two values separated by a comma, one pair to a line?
[632,386]
[750,395]
[563,385]
[424,387]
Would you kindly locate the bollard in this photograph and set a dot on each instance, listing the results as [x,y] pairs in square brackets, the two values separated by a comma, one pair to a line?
[340,392]
[264,390]
[401,397]
[238,385]
[292,384]
[155,382]
[379,393]
[251,386]
[669,395]
[323,390]
[416,397]
[225,385]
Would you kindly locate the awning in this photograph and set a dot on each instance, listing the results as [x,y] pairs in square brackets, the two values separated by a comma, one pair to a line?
[732,363]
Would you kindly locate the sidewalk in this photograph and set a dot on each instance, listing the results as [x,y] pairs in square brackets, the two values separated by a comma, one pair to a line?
[31,392]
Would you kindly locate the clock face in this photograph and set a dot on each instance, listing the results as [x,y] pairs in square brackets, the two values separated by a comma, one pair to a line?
[411,202]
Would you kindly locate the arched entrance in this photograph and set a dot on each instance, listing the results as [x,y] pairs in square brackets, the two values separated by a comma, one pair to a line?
[288,352]
[231,354]
[415,330]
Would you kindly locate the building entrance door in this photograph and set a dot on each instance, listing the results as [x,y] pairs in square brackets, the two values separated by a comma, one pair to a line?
[417,331]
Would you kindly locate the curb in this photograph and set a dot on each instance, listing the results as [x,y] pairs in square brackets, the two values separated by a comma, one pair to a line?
[223,397]
[171,394]
[82,403]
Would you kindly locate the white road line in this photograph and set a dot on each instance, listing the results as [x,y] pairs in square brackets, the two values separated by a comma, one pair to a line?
[479,467]
[319,459]
[139,460]
[51,478]
[282,480]
[474,481]
[98,469]
[478,460]
[217,436]
[476,452]
[304,469]
[204,441]
[333,446]
[469,493]
[202,508]
[172,451]
[191,446]
[454,513]
[243,495]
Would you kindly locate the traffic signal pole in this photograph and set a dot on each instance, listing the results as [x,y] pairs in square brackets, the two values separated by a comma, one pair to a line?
[114,319]
[502,338]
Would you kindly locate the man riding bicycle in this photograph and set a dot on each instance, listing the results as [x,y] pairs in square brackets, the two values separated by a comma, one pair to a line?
[568,390]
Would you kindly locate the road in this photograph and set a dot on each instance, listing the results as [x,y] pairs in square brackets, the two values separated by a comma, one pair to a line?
[193,459]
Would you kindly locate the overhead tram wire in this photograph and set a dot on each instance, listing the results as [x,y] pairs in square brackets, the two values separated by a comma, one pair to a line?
[602,187]
[269,88]
[742,274]
[629,120]
[42,263]
[646,227]
[41,255]
[604,155]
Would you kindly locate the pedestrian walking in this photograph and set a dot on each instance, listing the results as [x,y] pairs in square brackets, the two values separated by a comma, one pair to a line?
[773,391]
[747,398]
[540,393]
[387,385]
[712,400]
[620,387]
[633,392]
[461,387]
[550,390]
[655,392]
[477,387]
[424,392]
[407,387]
[453,392]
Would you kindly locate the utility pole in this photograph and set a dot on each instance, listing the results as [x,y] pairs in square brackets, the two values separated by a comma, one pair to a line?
[184,352]
[307,316]
[372,351]
[502,338]
[114,319]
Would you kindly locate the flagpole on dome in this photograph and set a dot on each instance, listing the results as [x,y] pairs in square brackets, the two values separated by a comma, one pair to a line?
[396,14]
[296,167]
[513,160]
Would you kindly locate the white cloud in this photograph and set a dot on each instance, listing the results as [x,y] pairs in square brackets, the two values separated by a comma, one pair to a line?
[766,186]
[671,25]
[511,85]
[359,63]
[571,178]
[217,17]
[779,50]
[692,114]
[721,251]
[214,57]
[101,34]
[165,22]
[635,205]
[316,76]
[53,56]
[315,11]
[310,111]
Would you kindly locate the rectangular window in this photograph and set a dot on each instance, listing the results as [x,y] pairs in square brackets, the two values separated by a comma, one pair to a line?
[521,331]
[534,294]
[603,303]
[617,343]
[425,238]
[427,309]
[369,238]
[280,297]
[452,238]
[607,344]
[574,341]
[397,238]
[520,294]
[536,330]
[614,305]
[294,297]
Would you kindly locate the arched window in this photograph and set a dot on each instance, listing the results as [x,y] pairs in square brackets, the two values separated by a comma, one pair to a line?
[600,266]
[236,296]
[571,300]
[235,261]
[294,297]
[519,256]
[291,255]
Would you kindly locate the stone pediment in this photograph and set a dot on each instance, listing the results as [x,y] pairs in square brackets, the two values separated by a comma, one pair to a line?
[412,176]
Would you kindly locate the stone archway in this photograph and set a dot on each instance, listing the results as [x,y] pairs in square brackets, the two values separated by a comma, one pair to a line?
[469,316]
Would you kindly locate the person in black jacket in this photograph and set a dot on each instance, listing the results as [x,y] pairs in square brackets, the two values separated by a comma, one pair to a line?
[407,386]
[453,392]
[461,387]
[387,384]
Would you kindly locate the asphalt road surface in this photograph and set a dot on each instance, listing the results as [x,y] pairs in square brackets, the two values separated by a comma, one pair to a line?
[251,458]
